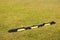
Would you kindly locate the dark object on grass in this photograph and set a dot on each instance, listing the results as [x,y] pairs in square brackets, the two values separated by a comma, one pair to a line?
[28,28]
[13,30]
[52,22]
[31,27]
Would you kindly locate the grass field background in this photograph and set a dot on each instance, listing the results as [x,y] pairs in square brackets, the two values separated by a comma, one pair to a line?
[17,13]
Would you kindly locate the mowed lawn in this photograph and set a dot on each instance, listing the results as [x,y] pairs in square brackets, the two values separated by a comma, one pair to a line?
[18,13]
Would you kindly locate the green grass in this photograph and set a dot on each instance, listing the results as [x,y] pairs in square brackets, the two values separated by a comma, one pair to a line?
[17,13]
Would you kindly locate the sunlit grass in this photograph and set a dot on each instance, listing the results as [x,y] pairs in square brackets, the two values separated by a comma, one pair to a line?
[17,13]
